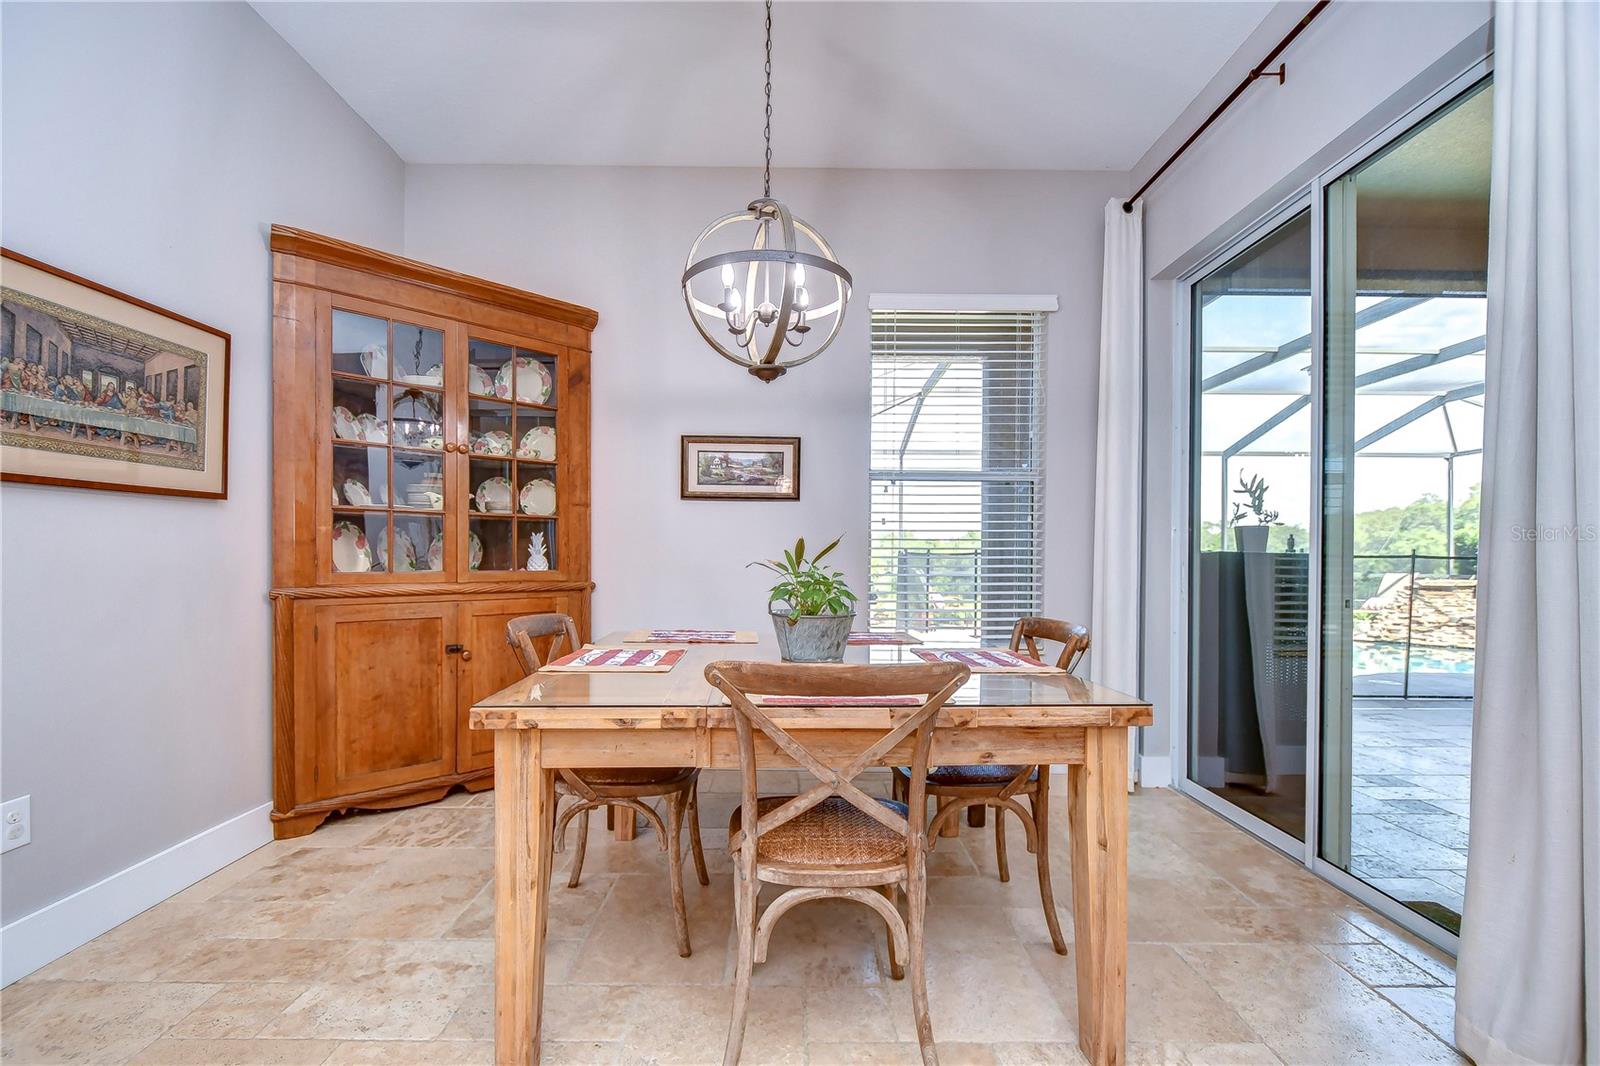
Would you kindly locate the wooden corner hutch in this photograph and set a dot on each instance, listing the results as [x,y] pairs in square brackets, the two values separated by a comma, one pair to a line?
[430,481]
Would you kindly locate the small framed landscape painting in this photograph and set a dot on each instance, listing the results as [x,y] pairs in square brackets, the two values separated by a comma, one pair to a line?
[102,390]
[741,468]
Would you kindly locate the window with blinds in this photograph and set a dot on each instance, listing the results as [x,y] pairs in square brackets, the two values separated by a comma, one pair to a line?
[957,472]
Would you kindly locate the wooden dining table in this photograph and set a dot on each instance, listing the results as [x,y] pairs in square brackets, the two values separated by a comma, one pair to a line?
[552,720]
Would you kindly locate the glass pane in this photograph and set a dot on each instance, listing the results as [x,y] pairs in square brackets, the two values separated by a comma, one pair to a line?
[491,488]
[418,419]
[418,355]
[418,542]
[1406,276]
[360,344]
[360,476]
[536,545]
[360,411]
[536,435]
[536,489]
[489,368]
[418,480]
[1251,512]
[360,542]
[490,543]
[489,427]
[535,377]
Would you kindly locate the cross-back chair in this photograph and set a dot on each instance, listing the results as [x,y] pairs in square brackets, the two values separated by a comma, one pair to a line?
[833,839]
[974,788]
[627,788]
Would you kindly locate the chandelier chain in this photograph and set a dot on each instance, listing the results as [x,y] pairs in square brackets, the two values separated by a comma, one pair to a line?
[766,178]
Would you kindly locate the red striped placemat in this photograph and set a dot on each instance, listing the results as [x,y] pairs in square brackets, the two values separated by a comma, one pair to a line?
[987,660]
[840,701]
[618,660]
[900,637]
[689,636]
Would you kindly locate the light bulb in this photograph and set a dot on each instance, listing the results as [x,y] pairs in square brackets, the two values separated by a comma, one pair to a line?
[727,275]
[799,274]
[802,299]
[733,299]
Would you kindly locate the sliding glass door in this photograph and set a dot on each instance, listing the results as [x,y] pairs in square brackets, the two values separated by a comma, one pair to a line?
[1407,251]
[1250,517]
[1337,382]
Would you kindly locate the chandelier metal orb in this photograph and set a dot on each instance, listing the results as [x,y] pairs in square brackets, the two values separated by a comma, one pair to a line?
[755,300]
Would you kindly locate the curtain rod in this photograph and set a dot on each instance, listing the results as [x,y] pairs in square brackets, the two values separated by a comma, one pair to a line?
[1260,71]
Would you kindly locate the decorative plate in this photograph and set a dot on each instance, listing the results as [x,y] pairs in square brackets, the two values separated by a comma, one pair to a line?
[494,496]
[494,442]
[538,443]
[375,361]
[356,494]
[436,552]
[336,497]
[478,381]
[344,424]
[433,444]
[405,553]
[371,430]
[533,381]
[434,375]
[351,552]
[539,497]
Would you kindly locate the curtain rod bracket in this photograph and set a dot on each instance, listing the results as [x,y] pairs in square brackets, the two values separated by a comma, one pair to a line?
[1279,73]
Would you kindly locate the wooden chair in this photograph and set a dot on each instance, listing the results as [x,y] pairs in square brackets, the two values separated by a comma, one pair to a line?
[973,788]
[624,788]
[832,840]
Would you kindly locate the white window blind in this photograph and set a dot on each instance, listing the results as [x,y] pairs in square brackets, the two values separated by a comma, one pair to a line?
[957,472]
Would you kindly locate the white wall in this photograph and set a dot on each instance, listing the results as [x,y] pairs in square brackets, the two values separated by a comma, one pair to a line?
[615,239]
[148,146]
[1356,69]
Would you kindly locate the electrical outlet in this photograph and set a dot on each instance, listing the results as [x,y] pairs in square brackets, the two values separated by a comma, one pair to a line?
[16,823]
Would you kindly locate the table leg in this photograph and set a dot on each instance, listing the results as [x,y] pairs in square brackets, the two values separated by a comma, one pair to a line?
[524,805]
[1097,808]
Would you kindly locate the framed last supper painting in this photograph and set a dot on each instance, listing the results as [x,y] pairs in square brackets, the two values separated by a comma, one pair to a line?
[101,390]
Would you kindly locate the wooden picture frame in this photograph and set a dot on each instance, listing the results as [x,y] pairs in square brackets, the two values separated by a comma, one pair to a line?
[103,390]
[739,468]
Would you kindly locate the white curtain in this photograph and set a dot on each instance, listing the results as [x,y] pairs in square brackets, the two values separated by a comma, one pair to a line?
[1528,979]
[1114,617]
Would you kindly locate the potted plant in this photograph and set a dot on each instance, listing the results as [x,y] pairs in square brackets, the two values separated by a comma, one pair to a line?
[1252,538]
[817,606]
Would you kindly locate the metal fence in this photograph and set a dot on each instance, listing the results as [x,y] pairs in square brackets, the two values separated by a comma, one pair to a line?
[1413,625]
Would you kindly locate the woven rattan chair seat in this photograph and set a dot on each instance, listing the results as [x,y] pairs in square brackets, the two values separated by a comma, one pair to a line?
[982,774]
[637,775]
[833,833]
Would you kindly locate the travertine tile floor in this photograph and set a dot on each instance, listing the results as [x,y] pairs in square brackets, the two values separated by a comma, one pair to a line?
[368,942]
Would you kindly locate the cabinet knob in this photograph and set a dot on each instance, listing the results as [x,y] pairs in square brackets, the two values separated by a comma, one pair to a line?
[466,655]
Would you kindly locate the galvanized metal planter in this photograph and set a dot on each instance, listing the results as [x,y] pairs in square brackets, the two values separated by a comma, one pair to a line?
[813,638]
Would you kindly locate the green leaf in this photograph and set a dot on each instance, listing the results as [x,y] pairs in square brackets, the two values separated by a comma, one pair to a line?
[818,557]
[800,551]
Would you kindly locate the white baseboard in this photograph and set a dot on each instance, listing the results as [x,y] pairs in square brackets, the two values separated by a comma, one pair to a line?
[1155,771]
[47,934]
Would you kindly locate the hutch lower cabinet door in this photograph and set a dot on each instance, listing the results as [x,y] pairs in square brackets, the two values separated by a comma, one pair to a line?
[488,664]
[386,687]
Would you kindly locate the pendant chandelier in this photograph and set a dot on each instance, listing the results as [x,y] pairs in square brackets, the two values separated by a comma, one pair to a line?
[757,303]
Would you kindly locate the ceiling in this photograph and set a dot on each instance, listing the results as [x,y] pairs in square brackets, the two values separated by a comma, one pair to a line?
[1036,86]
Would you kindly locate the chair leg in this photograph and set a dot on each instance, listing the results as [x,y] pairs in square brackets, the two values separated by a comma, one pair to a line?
[583,844]
[694,835]
[897,969]
[611,818]
[1040,802]
[680,917]
[1000,842]
[916,905]
[745,911]
[975,816]
[951,828]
